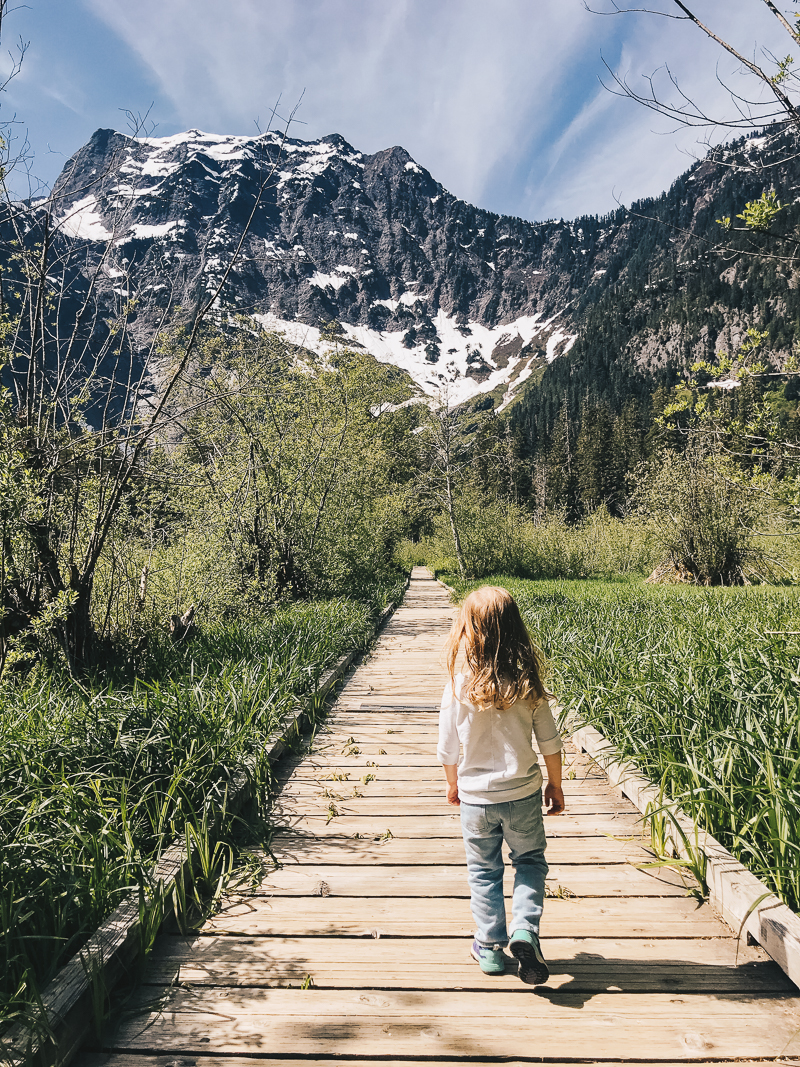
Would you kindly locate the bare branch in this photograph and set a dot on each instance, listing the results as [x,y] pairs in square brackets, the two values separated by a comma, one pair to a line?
[783,21]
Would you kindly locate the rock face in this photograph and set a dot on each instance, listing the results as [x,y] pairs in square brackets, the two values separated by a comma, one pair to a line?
[304,234]
[453,294]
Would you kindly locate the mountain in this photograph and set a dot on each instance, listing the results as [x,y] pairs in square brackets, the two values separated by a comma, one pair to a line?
[464,300]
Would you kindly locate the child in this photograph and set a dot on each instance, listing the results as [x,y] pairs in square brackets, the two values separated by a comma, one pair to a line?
[491,712]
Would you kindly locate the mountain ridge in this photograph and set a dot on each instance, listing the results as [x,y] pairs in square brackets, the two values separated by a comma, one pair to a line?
[466,301]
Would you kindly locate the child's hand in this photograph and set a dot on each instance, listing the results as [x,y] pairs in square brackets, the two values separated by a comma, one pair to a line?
[554,799]
[452,794]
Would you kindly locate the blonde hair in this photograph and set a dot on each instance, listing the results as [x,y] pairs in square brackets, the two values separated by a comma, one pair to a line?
[503,664]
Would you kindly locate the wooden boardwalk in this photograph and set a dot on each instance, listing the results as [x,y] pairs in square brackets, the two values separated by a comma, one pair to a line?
[357,946]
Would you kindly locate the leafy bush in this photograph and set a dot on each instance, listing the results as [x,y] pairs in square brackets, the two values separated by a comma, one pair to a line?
[502,538]
[703,512]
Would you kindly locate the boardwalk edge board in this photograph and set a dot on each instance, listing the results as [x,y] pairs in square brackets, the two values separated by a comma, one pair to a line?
[744,901]
[66,1005]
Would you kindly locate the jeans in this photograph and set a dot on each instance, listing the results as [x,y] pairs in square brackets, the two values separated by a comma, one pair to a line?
[485,826]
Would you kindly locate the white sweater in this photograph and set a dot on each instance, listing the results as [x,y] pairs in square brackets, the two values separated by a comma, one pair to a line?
[497,758]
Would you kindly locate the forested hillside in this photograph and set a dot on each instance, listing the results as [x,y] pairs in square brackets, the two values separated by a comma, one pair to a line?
[692,288]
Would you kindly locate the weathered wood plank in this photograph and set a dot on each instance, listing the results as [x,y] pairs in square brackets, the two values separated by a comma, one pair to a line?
[389,772]
[289,805]
[585,965]
[389,725]
[299,848]
[133,1059]
[447,825]
[584,880]
[450,917]
[371,785]
[404,1023]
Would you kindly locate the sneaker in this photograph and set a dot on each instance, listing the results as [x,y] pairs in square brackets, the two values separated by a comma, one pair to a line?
[532,967]
[490,960]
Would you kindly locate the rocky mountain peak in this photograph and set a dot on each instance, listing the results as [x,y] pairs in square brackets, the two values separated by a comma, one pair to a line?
[465,300]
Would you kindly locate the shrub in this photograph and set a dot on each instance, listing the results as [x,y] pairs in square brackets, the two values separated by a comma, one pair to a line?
[703,512]
[502,538]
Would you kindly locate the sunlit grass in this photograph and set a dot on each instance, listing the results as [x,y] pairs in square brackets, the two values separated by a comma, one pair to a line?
[700,688]
[96,781]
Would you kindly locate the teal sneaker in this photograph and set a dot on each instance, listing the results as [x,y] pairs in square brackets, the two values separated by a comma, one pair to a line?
[490,960]
[532,967]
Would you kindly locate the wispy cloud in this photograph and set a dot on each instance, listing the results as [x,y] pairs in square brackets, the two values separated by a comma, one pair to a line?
[614,150]
[459,83]
[500,101]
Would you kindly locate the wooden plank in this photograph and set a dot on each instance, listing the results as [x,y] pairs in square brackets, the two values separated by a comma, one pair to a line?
[325,762]
[403,1023]
[450,917]
[596,965]
[134,1059]
[405,690]
[447,825]
[288,804]
[375,724]
[385,734]
[409,790]
[387,772]
[585,880]
[297,848]
[368,749]
[363,762]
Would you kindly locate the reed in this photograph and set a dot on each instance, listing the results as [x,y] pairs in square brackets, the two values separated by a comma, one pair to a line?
[699,688]
[97,780]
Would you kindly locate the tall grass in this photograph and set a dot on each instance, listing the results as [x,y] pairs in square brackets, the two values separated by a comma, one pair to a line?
[503,539]
[95,781]
[699,688]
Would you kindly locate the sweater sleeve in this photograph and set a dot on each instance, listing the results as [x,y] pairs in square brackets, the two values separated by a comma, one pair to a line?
[449,747]
[548,738]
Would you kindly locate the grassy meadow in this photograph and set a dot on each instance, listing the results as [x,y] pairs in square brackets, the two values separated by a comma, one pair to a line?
[96,780]
[698,687]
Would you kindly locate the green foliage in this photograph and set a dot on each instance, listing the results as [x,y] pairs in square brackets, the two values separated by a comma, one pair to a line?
[759,214]
[285,461]
[698,688]
[703,513]
[784,70]
[96,782]
[502,538]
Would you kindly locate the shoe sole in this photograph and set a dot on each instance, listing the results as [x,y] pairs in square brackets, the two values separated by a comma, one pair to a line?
[532,968]
[478,961]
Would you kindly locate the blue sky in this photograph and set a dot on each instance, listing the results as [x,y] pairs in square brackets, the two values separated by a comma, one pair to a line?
[499,99]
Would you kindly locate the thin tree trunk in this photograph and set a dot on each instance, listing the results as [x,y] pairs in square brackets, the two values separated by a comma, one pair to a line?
[451,511]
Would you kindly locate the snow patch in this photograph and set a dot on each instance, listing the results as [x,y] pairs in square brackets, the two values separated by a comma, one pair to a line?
[83,221]
[556,338]
[448,375]
[143,232]
[327,281]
